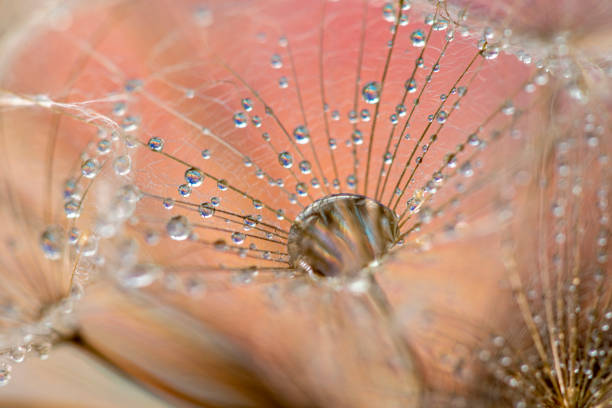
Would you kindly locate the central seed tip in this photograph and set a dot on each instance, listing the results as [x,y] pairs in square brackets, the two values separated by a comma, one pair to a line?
[340,235]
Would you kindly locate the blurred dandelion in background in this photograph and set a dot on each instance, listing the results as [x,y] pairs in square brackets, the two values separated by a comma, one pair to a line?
[319,204]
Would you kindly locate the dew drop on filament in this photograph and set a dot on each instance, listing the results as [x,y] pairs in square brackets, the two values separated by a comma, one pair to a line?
[371,92]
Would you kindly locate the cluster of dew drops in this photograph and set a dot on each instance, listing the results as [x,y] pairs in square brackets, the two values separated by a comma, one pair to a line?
[111,150]
[119,140]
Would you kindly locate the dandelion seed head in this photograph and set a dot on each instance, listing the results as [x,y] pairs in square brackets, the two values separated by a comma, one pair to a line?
[200,125]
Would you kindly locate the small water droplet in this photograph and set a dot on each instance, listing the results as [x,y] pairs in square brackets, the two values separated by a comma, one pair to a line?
[139,276]
[168,203]
[276,61]
[508,108]
[222,185]
[411,85]
[73,235]
[400,110]
[5,374]
[301,189]
[90,168]
[442,116]
[371,92]
[440,24]
[388,158]
[357,137]
[365,115]
[52,242]
[466,169]
[250,221]
[18,354]
[305,167]
[104,146]
[194,177]
[156,144]
[285,159]
[133,85]
[388,12]
[301,134]
[238,238]
[119,109]
[351,181]
[490,52]
[418,38]
[256,120]
[473,139]
[206,210]
[247,104]
[178,228]
[72,209]
[122,165]
[184,190]
[240,120]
